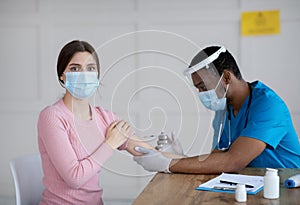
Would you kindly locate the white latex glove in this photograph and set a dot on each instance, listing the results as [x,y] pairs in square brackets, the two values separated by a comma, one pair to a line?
[118,133]
[171,145]
[152,160]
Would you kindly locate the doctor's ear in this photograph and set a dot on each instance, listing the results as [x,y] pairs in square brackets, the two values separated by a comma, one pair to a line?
[227,76]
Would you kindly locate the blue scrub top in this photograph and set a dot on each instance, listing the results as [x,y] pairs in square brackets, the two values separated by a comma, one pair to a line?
[269,120]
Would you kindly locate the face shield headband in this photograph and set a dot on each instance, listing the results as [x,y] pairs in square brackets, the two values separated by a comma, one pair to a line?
[205,62]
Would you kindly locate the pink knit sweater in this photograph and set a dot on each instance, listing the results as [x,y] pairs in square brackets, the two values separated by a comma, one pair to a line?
[73,152]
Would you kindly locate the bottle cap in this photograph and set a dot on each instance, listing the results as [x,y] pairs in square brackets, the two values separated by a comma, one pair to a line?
[271,172]
[240,186]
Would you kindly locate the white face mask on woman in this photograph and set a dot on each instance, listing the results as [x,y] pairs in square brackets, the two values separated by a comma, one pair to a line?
[210,98]
[82,85]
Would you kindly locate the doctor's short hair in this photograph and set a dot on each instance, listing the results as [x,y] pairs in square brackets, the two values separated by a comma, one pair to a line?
[225,61]
[69,50]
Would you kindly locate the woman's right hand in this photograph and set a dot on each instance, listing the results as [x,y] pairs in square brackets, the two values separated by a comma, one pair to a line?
[117,133]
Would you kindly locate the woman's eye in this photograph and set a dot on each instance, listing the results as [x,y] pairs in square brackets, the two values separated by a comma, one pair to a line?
[91,69]
[74,69]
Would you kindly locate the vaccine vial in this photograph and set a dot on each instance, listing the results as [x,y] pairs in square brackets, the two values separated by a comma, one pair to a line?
[162,141]
[271,184]
[240,193]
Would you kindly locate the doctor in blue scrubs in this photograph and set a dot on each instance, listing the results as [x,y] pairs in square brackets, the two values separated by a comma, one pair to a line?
[252,124]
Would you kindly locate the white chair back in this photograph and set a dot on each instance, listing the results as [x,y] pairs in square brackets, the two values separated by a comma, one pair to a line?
[27,174]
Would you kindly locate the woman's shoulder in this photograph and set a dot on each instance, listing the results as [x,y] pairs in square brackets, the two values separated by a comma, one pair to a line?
[53,110]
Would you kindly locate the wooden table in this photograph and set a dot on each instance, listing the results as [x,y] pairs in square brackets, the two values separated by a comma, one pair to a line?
[179,189]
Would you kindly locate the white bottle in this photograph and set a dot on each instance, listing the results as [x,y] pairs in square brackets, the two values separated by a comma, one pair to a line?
[240,193]
[271,184]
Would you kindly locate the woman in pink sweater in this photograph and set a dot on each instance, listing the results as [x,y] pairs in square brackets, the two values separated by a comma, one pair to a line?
[75,139]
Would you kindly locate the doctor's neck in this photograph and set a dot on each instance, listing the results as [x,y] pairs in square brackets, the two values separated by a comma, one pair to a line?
[239,91]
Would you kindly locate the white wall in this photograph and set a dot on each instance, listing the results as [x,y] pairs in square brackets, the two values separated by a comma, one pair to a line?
[143,47]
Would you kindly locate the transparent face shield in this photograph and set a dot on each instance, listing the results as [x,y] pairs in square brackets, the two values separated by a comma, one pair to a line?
[204,76]
[207,82]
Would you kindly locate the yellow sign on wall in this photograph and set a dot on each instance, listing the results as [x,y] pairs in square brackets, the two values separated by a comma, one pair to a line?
[260,23]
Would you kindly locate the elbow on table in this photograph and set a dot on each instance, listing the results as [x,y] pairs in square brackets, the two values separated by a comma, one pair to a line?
[234,166]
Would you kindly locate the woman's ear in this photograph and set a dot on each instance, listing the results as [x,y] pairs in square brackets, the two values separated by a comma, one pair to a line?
[62,78]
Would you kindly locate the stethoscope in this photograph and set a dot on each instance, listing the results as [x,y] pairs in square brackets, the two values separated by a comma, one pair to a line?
[229,118]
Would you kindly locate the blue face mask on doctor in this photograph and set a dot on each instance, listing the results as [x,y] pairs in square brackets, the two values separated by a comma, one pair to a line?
[82,85]
[210,98]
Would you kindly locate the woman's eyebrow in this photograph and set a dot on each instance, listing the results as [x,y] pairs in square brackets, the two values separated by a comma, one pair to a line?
[74,64]
[91,64]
